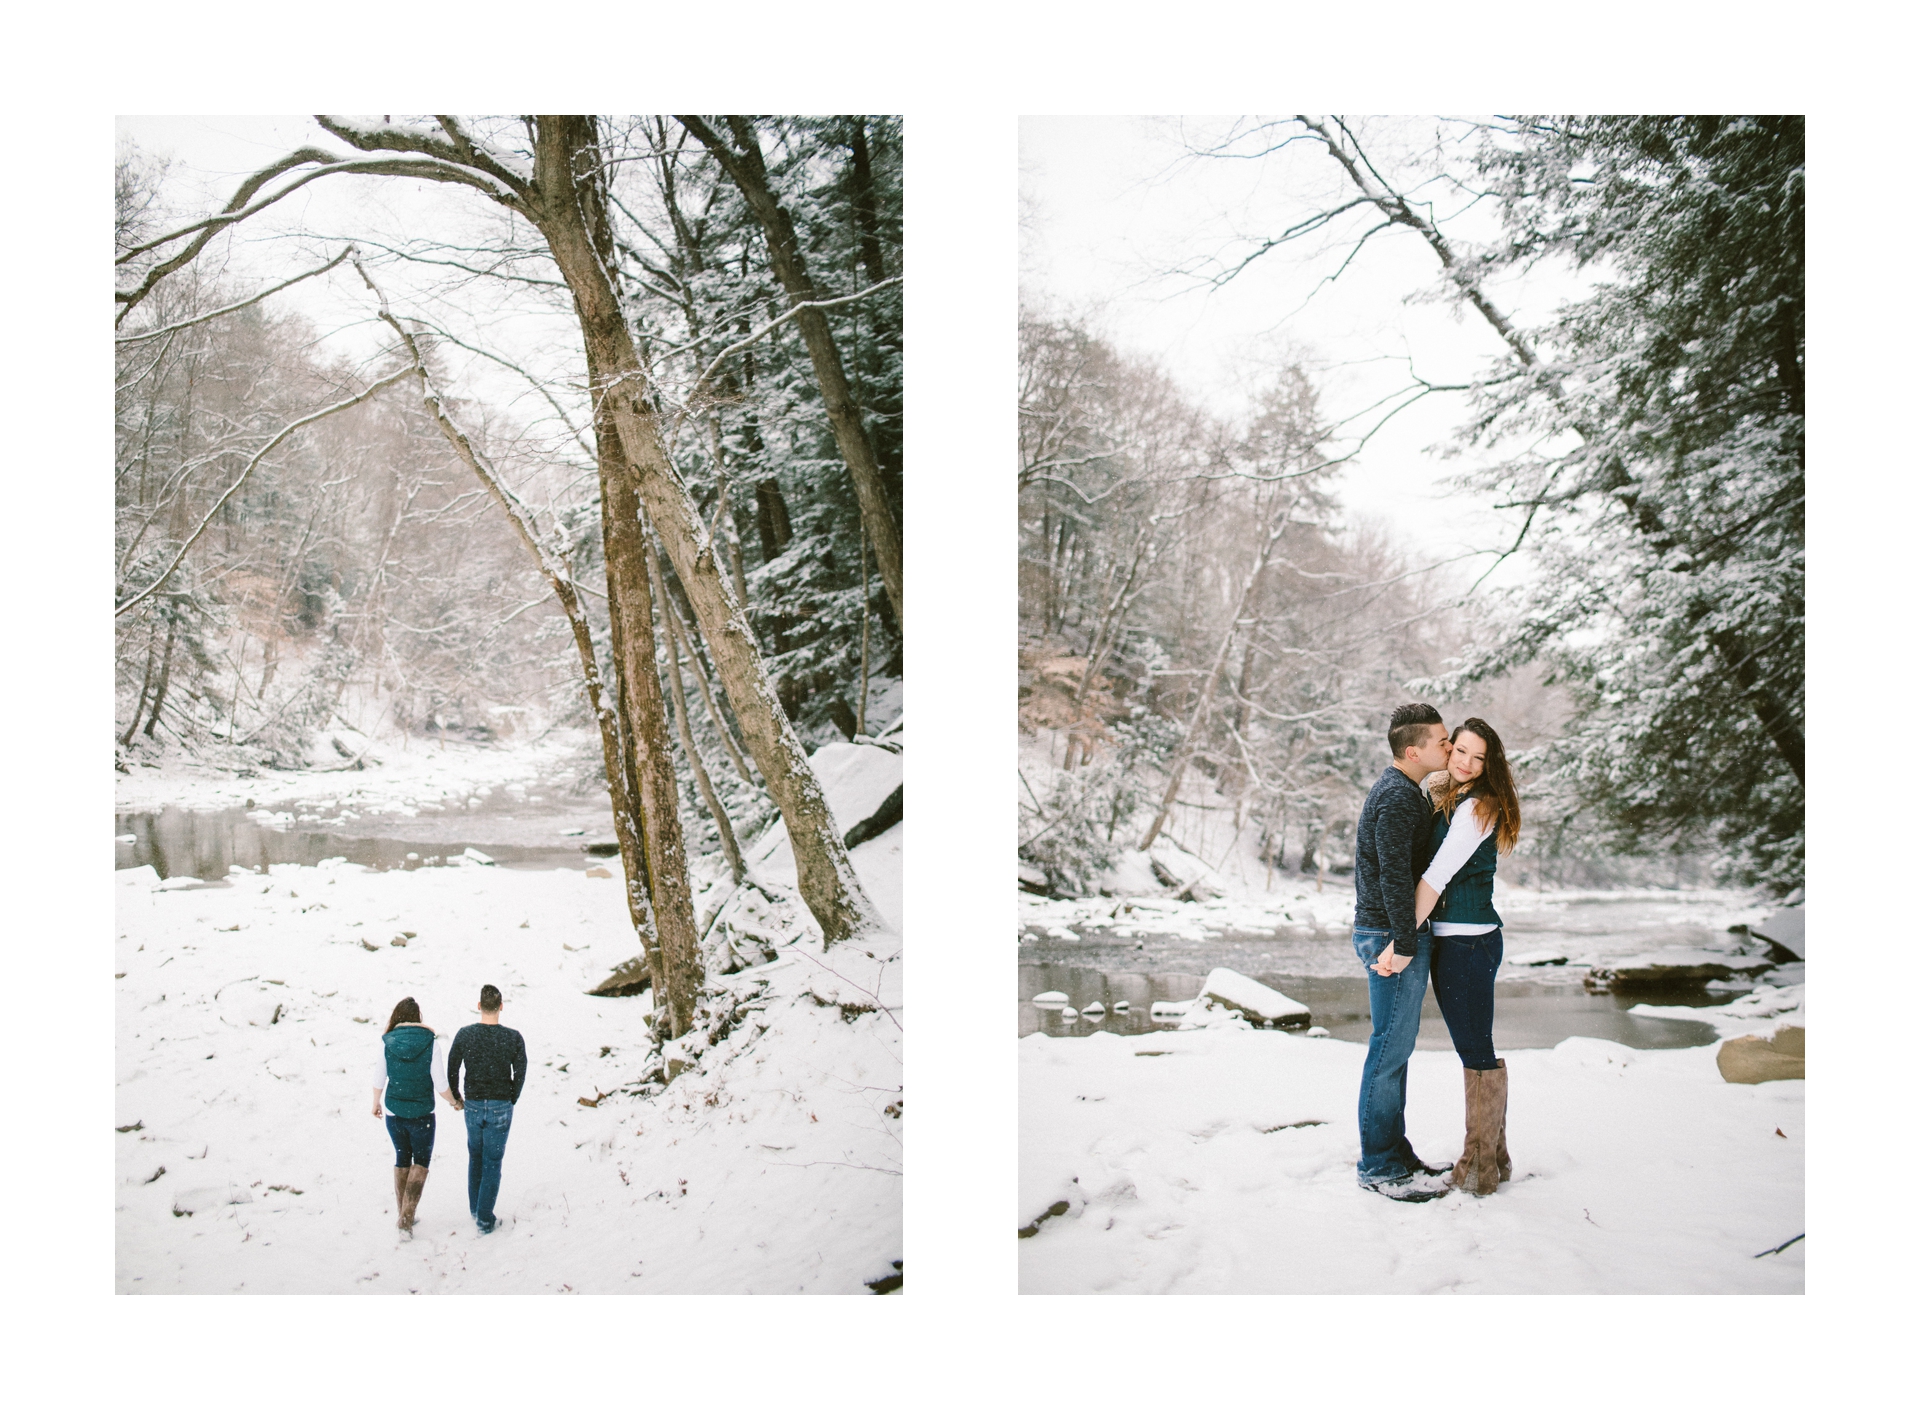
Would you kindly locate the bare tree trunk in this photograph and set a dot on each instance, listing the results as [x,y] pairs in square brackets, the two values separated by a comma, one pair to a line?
[723,512]
[630,619]
[720,725]
[860,720]
[1176,771]
[160,686]
[146,682]
[705,784]
[571,207]
[747,167]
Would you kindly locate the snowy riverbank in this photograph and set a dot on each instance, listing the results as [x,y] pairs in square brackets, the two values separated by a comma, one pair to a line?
[247,1020]
[1221,1160]
[402,774]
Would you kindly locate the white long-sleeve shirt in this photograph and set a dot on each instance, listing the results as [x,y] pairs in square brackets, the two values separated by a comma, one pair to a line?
[1464,835]
[439,1061]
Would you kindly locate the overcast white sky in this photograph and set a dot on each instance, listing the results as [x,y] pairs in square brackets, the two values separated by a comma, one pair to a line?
[1110,206]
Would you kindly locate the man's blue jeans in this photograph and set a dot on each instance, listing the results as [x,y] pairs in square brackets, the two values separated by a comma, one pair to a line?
[487,1126]
[1384,1151]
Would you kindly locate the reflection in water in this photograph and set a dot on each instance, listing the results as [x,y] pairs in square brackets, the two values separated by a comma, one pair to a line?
[182,842]
[1528,1013]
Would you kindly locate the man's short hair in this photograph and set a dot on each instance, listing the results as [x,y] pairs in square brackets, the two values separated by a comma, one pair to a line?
[1409,726]
[489,999]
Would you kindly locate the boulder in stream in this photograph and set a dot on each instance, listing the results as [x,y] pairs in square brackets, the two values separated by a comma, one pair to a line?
[1262,1006]
[1754,1059]
[1664,967]
[1785,932]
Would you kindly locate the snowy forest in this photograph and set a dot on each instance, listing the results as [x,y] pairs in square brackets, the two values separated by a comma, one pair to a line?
[568,445]
[1211,642]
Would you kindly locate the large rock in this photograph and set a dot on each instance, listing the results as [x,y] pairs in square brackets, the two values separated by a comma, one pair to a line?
[1269,1008]
[889,813]
[1785,932]
[1665,967]
[1186,875]
[629,979]
[1781,1058]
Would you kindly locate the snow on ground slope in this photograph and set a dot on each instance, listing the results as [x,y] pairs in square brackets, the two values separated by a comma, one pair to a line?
[248,1018]
[1223,1161]
[857,779]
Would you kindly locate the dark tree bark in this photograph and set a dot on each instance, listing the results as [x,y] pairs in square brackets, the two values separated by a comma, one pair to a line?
[776,530]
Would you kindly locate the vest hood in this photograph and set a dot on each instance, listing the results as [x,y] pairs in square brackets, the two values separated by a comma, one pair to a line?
[409,1041]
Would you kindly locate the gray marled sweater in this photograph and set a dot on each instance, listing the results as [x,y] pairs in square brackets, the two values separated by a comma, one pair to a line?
[1389,855]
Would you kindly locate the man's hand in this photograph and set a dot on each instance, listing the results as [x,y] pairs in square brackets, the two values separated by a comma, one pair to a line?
[1390,963]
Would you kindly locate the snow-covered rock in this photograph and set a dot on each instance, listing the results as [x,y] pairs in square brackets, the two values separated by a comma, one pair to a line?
[1538,957]
[1131,874]
[1787,930]
[1051,996]
[1672,967]
[1183,873]
[1237,993]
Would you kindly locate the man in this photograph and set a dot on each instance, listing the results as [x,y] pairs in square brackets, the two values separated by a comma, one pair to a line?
[1388,858]
[496,1063]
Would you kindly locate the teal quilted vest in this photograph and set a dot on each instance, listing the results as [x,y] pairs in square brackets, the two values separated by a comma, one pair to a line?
[410,1071]
[1468,899]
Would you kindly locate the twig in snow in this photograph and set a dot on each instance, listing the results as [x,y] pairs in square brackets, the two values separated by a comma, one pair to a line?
[1787,1245]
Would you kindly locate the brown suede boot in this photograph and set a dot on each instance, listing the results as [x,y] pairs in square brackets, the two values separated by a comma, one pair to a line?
[1478,1169]
[1499,1079]
[400,1194]
[416,1182]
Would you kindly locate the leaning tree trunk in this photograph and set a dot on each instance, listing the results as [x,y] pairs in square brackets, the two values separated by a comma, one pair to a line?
[570,208]
[748,169]
[630,616]
[721,823]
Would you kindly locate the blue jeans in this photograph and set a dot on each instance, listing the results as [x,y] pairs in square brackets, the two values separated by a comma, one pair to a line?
[1463,969]
[412,1138]
[487,1126]
[1384,1151]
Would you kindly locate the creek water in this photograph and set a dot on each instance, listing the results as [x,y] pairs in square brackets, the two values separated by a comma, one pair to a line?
[1534,1006]
[515,830]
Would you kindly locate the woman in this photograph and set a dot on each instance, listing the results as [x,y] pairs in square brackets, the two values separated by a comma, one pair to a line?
[1476,817]
[412,1052]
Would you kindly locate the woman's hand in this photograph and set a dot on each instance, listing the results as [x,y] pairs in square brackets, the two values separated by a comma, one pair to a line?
[376,1108]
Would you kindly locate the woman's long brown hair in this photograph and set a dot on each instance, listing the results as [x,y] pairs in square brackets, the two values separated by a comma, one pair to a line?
[1494,788]
[407,1011]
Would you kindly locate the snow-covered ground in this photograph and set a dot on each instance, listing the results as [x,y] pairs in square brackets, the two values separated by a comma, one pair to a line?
[248,1017]
[1222,1160]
